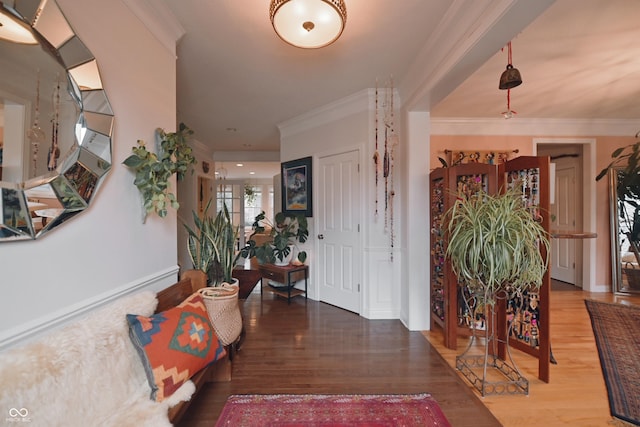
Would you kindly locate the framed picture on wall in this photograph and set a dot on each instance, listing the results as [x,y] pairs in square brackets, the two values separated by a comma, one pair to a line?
[296,186]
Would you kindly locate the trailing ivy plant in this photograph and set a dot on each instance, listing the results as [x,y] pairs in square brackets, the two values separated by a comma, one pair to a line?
[154,170]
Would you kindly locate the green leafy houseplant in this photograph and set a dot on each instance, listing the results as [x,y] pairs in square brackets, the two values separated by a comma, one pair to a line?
[494,244]
[154,170]
[287,230]
[626,166]
[211,245]
[250,194]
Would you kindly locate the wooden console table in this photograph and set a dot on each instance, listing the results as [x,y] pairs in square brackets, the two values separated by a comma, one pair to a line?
[288,275]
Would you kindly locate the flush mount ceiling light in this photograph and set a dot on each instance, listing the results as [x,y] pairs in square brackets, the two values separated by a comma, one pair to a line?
[308,24]
[14,30]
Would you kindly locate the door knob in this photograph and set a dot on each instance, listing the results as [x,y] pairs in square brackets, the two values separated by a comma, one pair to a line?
[320,236]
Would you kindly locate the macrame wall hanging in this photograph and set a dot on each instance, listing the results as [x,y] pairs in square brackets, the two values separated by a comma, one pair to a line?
[386,139]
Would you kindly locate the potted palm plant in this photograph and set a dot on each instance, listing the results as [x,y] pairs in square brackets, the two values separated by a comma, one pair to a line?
[286,230]
[497,250]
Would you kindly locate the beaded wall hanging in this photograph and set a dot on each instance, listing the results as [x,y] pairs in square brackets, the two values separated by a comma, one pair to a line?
[54,150]
[386,139]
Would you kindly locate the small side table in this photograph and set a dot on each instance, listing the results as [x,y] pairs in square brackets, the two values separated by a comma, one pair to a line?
[288,275]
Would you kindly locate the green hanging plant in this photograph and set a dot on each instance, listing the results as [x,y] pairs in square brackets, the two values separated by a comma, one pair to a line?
[154,170]
[250,193]
[494,244]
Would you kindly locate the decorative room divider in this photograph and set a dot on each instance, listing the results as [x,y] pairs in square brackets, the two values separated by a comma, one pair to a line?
[452,306]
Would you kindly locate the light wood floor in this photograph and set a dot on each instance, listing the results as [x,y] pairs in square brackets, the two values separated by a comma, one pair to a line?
[576,394]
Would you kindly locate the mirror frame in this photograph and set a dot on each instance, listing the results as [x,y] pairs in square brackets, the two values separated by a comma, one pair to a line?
[617,280]
[79,173]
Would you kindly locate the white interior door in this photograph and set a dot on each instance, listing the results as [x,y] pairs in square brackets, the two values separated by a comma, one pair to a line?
[338,230]
[563,251]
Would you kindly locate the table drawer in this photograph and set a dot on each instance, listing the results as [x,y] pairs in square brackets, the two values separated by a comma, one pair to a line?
[273,275]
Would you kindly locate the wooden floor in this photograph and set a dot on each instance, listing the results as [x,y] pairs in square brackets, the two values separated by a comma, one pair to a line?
[576,394]
[312,347]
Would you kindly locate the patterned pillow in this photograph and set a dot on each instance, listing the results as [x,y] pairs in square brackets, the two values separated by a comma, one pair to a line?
[174,345]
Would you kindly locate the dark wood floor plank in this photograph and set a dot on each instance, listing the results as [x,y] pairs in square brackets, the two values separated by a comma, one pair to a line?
[312,347]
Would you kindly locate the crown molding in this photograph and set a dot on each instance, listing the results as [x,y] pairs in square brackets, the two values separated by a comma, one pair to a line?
[201,148]
[520,126]
[328,113]
[246,156]
[159,20]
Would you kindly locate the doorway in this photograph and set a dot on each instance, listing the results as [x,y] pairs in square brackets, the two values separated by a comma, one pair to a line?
[571,209]
[566,253]
[338,222]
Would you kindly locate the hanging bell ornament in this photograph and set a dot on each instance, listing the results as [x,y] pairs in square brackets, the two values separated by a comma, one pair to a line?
[510,78]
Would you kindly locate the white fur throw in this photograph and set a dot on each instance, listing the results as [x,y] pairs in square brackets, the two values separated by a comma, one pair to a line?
[87,373]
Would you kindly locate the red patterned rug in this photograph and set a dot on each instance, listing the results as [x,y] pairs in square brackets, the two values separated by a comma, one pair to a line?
[325,410]
[615,327]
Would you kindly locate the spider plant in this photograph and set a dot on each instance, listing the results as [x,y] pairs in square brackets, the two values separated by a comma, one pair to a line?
[495,244]
[498,250]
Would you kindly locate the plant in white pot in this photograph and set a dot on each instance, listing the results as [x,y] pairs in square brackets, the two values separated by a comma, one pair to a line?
[498,250]
[286,230]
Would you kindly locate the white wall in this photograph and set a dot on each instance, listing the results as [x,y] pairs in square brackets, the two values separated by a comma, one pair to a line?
[341,126]
[416,298]
[188,198]
[106,251]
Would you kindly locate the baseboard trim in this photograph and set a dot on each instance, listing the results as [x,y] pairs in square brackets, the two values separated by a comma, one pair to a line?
[28,331]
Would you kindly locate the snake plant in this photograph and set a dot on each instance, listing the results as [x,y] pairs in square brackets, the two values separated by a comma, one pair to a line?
[211,245]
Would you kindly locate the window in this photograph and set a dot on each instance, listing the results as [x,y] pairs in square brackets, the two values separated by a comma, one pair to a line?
[244,202]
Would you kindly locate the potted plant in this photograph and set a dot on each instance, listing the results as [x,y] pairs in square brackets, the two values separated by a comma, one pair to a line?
[626,167]
[153,170]
[498,250]
[285,232]
[211,245]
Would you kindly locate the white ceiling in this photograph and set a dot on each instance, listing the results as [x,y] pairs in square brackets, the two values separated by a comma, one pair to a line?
[237,80]
[579,59]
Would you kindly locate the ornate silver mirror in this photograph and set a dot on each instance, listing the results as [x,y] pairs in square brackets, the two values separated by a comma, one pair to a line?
[625,235]
[55,121]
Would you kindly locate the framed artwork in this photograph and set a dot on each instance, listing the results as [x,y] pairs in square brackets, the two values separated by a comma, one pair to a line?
[296,187]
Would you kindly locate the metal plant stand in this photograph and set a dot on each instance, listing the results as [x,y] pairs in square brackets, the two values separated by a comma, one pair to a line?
[487,372]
